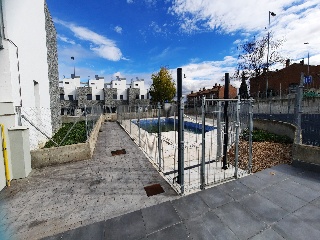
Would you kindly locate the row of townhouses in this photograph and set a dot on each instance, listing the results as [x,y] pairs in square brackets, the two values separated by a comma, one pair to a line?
[77,94]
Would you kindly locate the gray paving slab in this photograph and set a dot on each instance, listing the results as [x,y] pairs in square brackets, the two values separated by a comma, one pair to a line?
[283,199]
[177,231]
[267,235]
[90,232]
[301,191]
[128,226]
[160,216]
[240,221]
[309,214]
[263,208]
[291,227]
[190,206]
[209,226]
[215,197]
[288,170]
[254,182]
[235,189]
[271,176]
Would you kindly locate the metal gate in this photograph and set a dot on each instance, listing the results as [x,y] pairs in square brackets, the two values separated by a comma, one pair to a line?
[211,132]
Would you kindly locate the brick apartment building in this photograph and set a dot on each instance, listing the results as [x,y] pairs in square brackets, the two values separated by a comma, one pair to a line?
[216,92]
[284,80]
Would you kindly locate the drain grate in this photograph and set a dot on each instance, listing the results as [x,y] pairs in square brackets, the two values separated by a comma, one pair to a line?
[153,189]
[118,152]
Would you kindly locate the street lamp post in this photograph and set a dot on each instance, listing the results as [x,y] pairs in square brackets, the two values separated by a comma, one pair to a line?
[273,15]
[308,57]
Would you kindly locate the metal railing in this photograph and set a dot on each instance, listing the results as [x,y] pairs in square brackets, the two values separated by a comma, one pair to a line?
[205,148]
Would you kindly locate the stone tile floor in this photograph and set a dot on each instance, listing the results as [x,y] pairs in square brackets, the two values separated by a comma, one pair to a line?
[281,202]
[58,198]
[104,198]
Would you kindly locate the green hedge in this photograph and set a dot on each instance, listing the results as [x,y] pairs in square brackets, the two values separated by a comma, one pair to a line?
[264,136]
[76,135]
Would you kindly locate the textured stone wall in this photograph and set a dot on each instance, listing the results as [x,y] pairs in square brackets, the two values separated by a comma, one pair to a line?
[108,98]
[132,95]
[82,93]
[53,74]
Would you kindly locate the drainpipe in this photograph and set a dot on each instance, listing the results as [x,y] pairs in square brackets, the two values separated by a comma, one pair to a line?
[5,155]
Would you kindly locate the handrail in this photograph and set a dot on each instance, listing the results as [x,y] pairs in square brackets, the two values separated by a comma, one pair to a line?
[5,155]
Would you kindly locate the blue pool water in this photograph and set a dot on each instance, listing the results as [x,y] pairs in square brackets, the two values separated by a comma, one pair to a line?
[167,125]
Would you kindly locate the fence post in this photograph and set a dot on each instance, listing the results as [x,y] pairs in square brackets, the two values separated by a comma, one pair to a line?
[159,136]
[250,134]
[237,125]
[219,143]
[226,121]
[298,109]
[130,118]
[203,163]
[139,125]
[85,112]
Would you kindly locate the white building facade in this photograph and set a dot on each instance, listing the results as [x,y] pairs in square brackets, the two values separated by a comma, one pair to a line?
[28,70]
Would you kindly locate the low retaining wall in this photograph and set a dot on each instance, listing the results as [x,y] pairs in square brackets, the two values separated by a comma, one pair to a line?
[70,153]
[276,127]
[305,156]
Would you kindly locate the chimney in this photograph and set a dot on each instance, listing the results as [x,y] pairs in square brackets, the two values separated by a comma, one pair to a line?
[204,88]
[215,85]
[287,62]
[302,61]
[191,92]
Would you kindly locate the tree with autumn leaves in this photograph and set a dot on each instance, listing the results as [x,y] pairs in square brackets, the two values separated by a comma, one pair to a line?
[163,88]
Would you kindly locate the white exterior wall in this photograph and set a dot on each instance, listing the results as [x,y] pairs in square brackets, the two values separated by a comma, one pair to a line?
[140,84]
[97,88]
[70,86]
[24,23]
[121,86]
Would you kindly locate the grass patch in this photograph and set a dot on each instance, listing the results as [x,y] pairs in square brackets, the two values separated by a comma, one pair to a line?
[265,136]
[76,135]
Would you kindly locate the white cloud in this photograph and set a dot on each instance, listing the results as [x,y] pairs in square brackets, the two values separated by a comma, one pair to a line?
[118,29]
[66,40]
[206,74]
[99,44]
[129,1]
[296,21]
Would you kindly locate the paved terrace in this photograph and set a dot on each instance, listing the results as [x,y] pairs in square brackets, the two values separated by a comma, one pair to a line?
[104,199]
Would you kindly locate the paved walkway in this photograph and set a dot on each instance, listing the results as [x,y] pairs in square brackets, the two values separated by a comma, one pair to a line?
[79,201]
[278,203]
[58,198]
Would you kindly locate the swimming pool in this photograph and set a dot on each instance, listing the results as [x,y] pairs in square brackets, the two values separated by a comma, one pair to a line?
[170,124]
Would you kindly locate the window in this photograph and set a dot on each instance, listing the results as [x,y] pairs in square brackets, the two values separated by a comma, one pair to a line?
[92,83]
[61,96]
[121,97]
[115,96]
[136,84]
[70,97]
[97,97]
[137,96]
[142,97]
[89,96]
[66,82]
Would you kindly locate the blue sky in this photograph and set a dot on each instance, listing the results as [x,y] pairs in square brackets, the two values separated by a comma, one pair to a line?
[134,38]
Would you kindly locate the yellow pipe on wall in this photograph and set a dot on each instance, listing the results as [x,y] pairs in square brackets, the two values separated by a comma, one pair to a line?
[5,155]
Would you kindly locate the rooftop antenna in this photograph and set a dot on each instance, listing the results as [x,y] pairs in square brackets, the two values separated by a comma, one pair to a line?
[74,68]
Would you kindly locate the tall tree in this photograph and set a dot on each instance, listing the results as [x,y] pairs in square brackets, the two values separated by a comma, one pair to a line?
[163,87]
[253,56]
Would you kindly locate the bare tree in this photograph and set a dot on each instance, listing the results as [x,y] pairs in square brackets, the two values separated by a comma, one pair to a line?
[252,59]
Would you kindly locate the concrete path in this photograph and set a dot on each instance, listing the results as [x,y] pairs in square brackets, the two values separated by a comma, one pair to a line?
[59,198]
[278,203]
